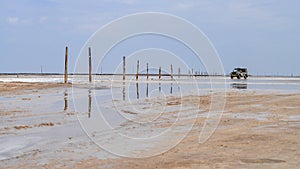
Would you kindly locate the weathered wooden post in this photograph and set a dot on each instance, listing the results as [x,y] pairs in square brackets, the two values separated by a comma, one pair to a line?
[179,72]
[159,72]
[137,70]
[66,65]
[171,71]
[124,67]
[147,72]
[90,65]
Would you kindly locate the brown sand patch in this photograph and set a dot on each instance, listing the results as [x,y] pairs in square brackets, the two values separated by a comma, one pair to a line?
[128,112]
[22,127]
[9,88]
[26,98]
[44,124]
[50,124]
[263,160]
[174,103]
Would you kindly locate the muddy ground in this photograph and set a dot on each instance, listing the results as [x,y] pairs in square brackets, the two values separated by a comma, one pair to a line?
[257,130]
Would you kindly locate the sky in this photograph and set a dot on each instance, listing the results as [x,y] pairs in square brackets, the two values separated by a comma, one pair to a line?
[262,35]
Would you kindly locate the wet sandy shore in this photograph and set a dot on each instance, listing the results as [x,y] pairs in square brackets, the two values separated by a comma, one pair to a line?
[257,130]
[12,88]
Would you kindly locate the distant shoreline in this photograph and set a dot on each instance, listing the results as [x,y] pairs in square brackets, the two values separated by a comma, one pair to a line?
[110,74]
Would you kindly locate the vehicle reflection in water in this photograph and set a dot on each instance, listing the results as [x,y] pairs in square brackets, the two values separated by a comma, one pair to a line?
[239,85]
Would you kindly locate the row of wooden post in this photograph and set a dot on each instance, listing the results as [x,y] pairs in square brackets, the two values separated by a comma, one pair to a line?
[124,68]
[147,70]
[66,65]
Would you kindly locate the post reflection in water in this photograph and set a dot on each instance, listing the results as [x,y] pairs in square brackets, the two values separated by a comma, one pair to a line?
[147,90]
[137,90]
[66,100]
[159,87]
[145,87]
[124,90]
[89,103]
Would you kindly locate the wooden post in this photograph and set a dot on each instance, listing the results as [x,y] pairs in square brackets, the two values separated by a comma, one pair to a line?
[159,72]
[90,65]
[66,66]
[124,67]
[189,73]
[179,72]
[171,71]
[147,72]
[137,70]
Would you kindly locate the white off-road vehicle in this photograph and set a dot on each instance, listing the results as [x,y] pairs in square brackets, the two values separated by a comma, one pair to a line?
[239,73]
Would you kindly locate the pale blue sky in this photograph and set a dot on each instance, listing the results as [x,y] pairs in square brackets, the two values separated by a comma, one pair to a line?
[263,35]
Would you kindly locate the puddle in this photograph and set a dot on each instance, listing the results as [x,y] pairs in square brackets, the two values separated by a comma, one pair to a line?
[263,116]
[269,126]
[15,145]
[294,118]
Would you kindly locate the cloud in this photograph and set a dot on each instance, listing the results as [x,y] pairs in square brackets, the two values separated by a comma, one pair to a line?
[26,21]
[12,20]
[43,19]
[87,27]
[188,5]
[260,14]
[128,2]
[183,6]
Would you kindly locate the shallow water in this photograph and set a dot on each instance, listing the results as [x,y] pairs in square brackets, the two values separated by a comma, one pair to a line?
[102,95]
[106,99]
[270,83]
